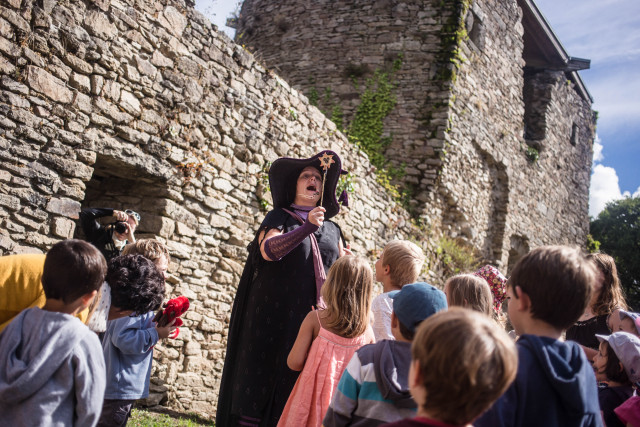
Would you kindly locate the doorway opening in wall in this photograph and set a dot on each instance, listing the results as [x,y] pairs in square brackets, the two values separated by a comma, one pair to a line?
[519,248]
[118,185]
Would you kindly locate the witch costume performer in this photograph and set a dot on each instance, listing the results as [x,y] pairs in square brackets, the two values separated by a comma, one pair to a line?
[286,267]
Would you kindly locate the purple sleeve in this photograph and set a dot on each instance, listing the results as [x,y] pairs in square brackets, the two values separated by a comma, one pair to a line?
[278,246]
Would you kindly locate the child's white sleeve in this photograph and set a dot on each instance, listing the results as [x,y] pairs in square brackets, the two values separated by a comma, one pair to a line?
[381,309]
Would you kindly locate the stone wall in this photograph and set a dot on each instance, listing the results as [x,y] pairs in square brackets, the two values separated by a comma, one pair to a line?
[142,104]
[332,47]
[464,135]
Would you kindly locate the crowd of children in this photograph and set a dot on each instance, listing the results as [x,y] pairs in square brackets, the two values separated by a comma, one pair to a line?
[56,370]
[413,356]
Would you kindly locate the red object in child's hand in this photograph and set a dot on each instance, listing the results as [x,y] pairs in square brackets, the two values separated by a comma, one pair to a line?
[173,309]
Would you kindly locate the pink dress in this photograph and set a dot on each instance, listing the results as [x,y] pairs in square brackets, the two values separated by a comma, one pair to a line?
[311,396]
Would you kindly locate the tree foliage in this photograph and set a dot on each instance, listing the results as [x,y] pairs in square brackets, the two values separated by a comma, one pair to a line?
[617,228]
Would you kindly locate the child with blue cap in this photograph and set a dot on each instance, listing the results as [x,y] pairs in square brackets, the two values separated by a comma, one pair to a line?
[374,388]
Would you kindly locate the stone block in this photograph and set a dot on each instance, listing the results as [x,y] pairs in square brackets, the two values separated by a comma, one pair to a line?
[99,25]
[14,18]
[159,60]
[45,83]
[174,21]
[130,103]
[77,64]
[8,48]
[63,227]
[80,82]
[65,207]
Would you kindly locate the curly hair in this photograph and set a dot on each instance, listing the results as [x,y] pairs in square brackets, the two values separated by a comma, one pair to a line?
[611,296]
[136,284]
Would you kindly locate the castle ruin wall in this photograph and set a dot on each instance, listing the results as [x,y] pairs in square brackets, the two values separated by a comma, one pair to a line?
[144,105]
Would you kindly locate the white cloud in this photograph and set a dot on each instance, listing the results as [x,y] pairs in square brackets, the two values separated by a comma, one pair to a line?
[597,150]
[604,188]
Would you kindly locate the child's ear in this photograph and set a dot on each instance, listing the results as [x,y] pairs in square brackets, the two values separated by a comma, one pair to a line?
[415,377]
[394,320]
[522,300]
[386,269]
[88,297]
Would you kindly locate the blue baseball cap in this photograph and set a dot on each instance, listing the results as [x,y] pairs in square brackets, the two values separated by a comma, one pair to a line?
[417,301]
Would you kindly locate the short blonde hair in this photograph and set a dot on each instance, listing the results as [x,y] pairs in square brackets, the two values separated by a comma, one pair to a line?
[459,388]
[405,260]
[149,248]
[347,292]
[467,290]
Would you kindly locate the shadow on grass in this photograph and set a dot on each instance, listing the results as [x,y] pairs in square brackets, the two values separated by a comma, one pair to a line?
[180,415]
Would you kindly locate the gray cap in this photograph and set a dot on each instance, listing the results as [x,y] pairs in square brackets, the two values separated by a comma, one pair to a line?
[627,347]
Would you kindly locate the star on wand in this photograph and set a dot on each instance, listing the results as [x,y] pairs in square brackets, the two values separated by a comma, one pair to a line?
[325,162]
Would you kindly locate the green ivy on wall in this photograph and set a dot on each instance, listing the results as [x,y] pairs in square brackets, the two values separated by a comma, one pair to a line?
[366,130]
[453,33]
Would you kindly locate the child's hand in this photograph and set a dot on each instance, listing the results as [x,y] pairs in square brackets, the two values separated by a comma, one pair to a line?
[166,331]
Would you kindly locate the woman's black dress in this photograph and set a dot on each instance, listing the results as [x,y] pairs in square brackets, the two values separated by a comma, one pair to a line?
[273,299]
[584,333]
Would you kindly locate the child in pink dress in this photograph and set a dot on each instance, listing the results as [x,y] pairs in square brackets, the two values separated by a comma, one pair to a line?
[327,339]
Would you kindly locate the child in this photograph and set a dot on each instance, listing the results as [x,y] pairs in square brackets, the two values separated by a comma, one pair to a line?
[51,366]
[548,290]
[341,329]
[616,365]
[374,387]
[629,322]
[469,291]
[153,250]
[498,286]
[400,263]
[128,342]
[451,387]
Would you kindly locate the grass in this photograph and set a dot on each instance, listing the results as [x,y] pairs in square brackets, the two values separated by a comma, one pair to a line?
[146,418]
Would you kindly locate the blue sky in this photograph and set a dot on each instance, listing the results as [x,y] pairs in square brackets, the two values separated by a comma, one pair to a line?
[608,33]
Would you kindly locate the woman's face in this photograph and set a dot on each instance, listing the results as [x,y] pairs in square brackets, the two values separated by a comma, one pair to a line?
[308,187]
[600,362]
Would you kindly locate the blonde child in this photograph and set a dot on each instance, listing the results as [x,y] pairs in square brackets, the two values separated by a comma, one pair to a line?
[469,291]
[451,388]
[399,264]
[374,389]
[616,367]
[327,339]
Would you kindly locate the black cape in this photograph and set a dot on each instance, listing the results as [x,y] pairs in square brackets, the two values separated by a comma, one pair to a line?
[272,300]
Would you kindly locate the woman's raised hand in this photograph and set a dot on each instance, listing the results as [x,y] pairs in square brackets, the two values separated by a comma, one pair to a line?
[316,216]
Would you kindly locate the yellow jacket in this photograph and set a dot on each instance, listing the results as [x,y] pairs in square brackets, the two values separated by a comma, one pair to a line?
[21,286]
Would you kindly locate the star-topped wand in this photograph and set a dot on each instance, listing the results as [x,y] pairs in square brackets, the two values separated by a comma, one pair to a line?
[325,162]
